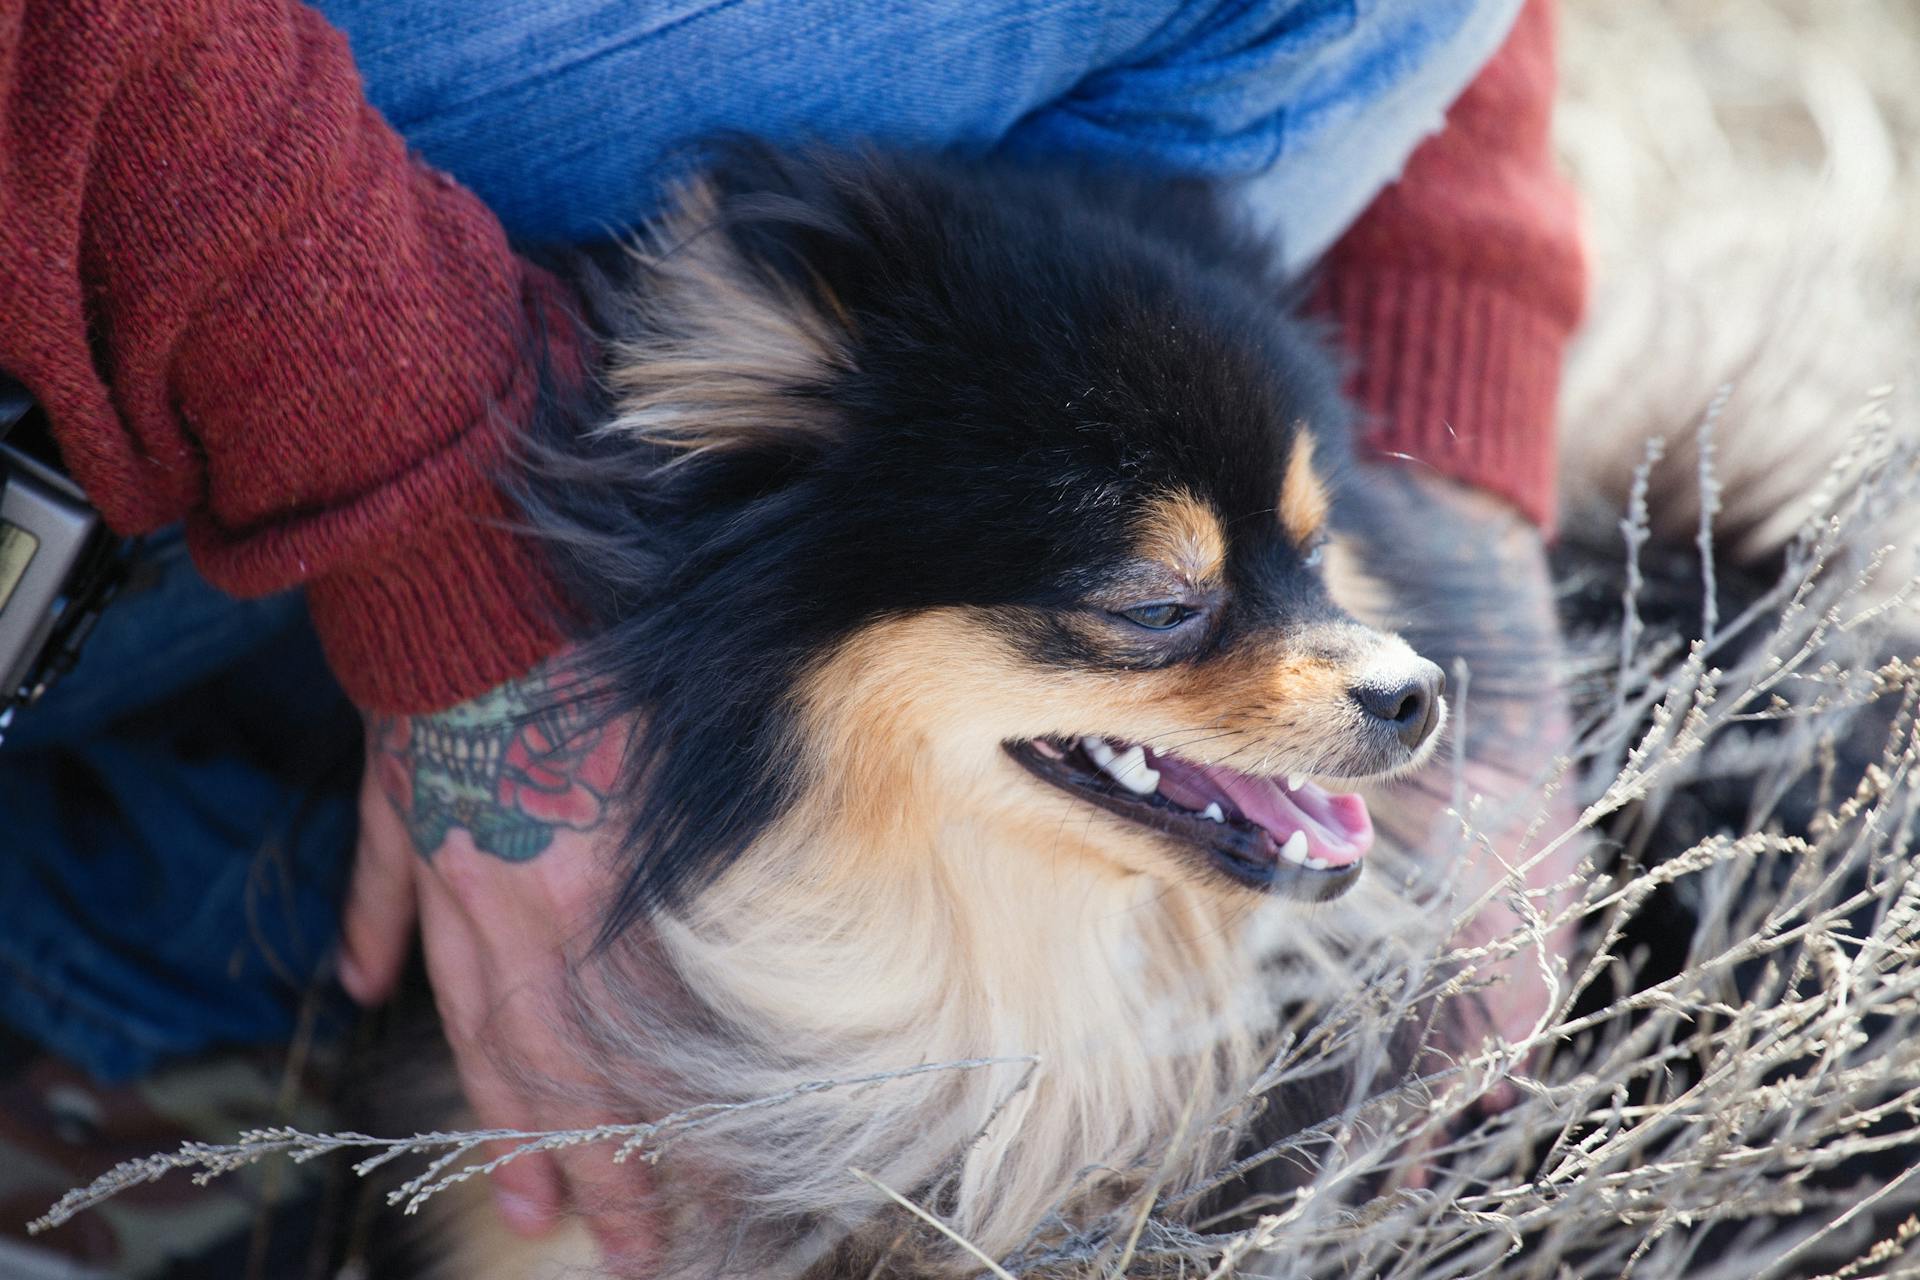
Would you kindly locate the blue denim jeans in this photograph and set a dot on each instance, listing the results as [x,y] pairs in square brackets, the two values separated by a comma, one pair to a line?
[175,820]
[568,115]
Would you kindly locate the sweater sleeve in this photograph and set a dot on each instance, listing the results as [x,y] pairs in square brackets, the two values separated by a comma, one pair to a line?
[1456,292]
[245,307]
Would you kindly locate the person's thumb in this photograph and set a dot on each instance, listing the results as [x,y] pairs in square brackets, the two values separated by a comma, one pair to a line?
[377,928]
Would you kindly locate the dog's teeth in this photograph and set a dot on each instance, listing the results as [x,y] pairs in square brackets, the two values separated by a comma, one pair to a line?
[1295,781]
[1214,812]
[1318,864]
[1295,849]
[1129,769]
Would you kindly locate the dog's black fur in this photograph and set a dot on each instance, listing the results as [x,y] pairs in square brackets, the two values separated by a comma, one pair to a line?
[1031,355]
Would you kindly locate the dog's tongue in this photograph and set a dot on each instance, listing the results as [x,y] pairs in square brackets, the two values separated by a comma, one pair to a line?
[1339,829]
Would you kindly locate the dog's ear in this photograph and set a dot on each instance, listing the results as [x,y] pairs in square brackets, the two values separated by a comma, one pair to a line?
[731,339]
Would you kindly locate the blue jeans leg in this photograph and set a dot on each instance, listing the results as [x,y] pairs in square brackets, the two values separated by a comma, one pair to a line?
[569,116]
[175,820]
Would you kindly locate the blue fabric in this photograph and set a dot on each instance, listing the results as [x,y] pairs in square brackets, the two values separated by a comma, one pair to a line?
[568,116]
[175,820]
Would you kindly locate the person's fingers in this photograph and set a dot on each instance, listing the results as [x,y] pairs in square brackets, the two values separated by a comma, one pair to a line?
[377,926]
[527,1189]
[1528,982]
[613,1197]
[528,1192]
[625,1235]
[482,1028]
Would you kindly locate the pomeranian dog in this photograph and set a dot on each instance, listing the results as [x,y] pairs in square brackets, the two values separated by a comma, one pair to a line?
[968,541]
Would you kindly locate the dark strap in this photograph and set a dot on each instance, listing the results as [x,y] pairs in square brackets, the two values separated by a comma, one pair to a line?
[14,403]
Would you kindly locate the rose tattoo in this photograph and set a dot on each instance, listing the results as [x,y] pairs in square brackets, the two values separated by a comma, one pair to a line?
[510,768]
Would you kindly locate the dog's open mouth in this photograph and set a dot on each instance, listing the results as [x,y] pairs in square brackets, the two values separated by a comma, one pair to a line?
[1284,834]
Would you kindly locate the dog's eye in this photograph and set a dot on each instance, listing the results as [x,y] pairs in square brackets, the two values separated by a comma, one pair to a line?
[1316,551]
[1156,617]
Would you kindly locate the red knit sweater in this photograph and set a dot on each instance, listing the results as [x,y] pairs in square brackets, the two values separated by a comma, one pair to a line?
[1457,290]
[243,306]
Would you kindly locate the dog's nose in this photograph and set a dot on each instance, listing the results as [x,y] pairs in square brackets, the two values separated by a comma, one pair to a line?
[1409,705]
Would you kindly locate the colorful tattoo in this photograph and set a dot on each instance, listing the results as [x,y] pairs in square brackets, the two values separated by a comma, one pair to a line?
[510,768]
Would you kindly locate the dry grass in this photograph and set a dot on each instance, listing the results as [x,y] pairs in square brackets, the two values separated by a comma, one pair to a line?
[1736,1114]
[1753,1114]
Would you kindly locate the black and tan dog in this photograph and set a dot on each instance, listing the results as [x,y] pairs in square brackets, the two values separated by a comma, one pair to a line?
[967,540]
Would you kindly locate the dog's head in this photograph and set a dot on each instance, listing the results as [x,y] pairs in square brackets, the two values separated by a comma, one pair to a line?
[934,495]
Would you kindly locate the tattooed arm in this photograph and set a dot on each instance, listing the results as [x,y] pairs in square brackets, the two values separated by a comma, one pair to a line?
[490,824]
[509,768]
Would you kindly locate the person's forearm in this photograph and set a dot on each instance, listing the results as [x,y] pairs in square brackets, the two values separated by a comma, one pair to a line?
[1455,294]
[244,306]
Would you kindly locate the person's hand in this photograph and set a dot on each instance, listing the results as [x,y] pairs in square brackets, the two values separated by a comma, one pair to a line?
[492,822]
[1482,600]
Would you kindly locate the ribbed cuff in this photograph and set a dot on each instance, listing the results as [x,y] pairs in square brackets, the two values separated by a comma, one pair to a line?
[1455,375]
[458,611]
